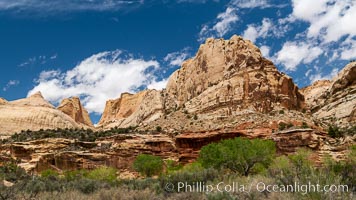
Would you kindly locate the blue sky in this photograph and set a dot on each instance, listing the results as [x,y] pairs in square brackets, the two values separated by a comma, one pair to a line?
[97,49]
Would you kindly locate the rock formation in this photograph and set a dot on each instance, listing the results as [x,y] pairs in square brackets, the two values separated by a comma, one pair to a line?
[3,101]
[224,78]
[314,92]
[32,113]
[133,109]
[231,75]
[73,108]
[120,151]
[334,102]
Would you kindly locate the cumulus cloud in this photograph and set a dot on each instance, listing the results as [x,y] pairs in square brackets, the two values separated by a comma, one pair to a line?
[292,54]
[177,58]
[66,5]
[253,31]
[329,21]
[9,84]
[223,24]
[98,78]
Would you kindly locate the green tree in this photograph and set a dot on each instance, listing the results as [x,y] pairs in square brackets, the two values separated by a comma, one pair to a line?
[148,165]
[238,155]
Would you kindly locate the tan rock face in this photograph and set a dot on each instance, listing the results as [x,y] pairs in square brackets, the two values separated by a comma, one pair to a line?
[335,102]
[231,75]
[3,101]
[314,92]
[32,113]
[120,151]
[133,109]
[73,108]
[223,79]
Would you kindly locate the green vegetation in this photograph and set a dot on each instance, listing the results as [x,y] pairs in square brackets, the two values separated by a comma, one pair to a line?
[336,132]
[239,155]
[102,182]
[87,135]
[148,165]
[158,129]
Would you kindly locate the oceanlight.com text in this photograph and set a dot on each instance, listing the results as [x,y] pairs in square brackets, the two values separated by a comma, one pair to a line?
[236,187]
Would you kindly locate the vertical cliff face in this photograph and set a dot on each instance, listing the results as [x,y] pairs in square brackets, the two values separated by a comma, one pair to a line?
[314,92]
[232,74]
[73,108]
[337,103]
[133,109]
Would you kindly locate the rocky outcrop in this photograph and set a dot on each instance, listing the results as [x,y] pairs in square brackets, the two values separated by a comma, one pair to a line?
[32,113]
[73,108]
[227,76]
[313,93]
[133,109]
[63,154]
[120,151]
[3,101]
[335,102]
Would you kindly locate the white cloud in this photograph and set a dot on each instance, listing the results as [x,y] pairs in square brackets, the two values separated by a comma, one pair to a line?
[226,19]
[98,78]
[38,60]
[158,85]
[224,24]
[253,32]
[329,20]
[293,53]
[250,3]
[177,58]
[265,50]
[348,49]
[10,84]
[66,5]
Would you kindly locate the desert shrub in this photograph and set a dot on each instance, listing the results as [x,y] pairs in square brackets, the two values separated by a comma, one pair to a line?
[334,132]
[87,186]
[148,165]
[189,175]
[11,172]
[106,174]
[238,155]
[158,129]
[75,174]
[195,117]
[49,173]
[305,125]
[172,166]
[281,112]
[282,126]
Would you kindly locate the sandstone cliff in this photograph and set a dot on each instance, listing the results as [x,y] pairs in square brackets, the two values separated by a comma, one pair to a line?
[32,113]
[120,151]
[133,109]
[313,93]
[335,102]
[225,78]
[73,108]
[229,76]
